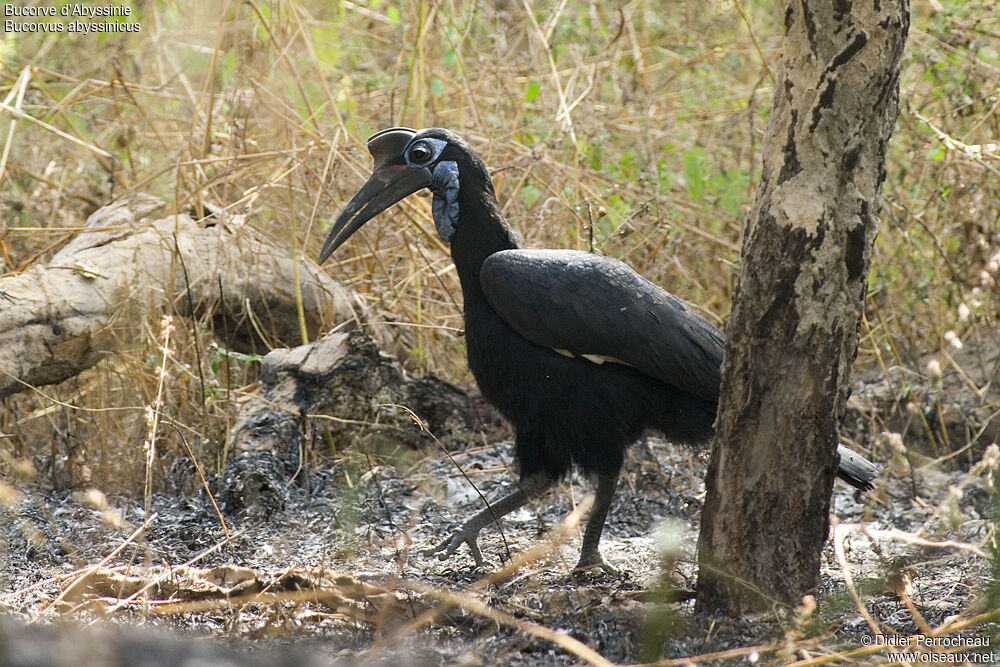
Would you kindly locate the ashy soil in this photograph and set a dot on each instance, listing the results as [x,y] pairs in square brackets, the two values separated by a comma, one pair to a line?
[335,569]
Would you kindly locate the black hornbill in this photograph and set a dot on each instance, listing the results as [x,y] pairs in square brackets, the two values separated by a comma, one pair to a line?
[579,352]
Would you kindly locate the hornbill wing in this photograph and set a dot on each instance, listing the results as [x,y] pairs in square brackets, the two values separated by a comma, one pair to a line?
[584,304]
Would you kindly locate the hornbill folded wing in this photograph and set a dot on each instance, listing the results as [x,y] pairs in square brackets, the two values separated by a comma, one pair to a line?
[598,308]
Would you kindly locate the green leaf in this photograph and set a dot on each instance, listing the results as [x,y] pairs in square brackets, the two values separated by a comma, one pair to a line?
[530,194]
[733,194]
[532,91]
[691,165]
[595,156]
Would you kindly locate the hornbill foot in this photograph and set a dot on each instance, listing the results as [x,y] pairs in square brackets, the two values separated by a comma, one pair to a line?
[590,562]
[451,544]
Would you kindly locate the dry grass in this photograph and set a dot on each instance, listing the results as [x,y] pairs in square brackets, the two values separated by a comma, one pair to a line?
[634,132]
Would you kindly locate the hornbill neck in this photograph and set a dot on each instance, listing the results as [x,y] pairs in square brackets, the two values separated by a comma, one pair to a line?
[481,231]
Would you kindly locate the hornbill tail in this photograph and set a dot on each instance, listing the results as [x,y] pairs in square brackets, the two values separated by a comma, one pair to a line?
[855,469]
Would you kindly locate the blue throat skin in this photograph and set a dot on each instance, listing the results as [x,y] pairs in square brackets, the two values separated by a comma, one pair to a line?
[444,206]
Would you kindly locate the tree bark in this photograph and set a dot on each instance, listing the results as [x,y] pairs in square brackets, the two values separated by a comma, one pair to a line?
[793,333]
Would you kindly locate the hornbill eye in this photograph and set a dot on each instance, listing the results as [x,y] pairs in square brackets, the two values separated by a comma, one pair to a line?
[420,153]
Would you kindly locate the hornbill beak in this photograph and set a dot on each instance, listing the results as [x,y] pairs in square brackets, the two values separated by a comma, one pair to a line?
[391,181]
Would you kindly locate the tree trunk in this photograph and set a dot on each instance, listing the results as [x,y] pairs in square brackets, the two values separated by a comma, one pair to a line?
[793,334]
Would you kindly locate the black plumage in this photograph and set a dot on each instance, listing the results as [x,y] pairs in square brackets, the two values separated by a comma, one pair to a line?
[579,352]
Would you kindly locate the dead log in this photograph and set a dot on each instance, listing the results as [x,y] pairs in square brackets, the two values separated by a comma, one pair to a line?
[358,393]
[62,317]
[345,391]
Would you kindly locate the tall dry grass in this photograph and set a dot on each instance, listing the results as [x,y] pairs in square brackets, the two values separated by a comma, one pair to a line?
[632,131]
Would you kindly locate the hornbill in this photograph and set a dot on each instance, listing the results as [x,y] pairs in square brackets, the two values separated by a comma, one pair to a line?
[578,351]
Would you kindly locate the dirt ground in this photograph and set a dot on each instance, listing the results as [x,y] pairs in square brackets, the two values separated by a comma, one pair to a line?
[372,522]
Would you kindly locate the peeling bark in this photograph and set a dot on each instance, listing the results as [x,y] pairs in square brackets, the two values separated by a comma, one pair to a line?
[793,334]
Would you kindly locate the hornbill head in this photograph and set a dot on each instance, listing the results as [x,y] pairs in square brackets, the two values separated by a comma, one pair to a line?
[405,161]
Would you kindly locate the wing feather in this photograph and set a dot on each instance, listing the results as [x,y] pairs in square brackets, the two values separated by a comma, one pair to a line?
[587,304]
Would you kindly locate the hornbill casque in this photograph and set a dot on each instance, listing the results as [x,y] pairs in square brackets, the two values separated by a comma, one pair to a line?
[578,351]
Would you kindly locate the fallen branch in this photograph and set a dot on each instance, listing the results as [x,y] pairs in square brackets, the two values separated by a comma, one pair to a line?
[61,318]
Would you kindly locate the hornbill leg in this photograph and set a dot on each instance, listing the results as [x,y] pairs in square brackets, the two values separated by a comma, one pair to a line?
[528,489]
[590,555]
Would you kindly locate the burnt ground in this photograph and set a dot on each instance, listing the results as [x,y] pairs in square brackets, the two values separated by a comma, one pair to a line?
[372,521]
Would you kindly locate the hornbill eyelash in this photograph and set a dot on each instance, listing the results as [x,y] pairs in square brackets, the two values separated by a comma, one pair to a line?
[420,154]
